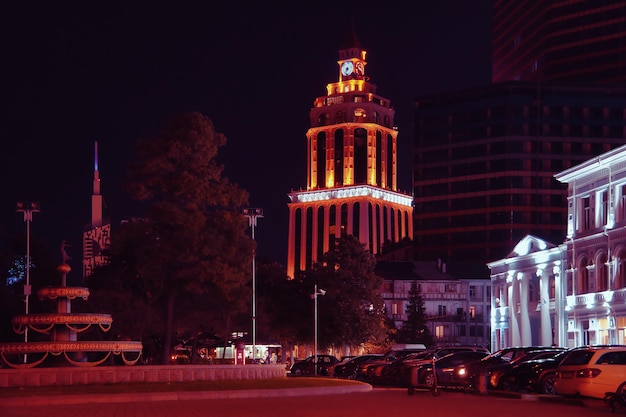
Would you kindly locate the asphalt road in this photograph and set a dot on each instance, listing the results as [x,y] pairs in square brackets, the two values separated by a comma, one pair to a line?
[378,402]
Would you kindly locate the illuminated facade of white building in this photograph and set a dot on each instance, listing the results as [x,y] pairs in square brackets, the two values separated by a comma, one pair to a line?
[595,278]
[351,184]
[572,294]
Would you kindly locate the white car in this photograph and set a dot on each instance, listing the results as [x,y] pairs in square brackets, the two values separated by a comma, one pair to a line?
[592,371]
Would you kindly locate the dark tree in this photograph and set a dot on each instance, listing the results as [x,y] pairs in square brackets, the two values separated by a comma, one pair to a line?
[351,312]
[195,244]
[415,329]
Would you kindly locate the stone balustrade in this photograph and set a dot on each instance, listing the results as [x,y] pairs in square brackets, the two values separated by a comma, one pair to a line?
[67,376]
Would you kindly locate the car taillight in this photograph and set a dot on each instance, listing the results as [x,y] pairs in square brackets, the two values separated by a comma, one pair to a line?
[588,373]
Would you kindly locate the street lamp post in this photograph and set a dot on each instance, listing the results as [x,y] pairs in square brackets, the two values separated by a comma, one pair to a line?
[314,297]
[252,214]
[28,208]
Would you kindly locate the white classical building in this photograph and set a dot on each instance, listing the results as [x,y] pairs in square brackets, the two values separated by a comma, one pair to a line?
[575,293]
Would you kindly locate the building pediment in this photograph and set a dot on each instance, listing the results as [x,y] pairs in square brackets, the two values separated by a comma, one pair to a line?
[529,244]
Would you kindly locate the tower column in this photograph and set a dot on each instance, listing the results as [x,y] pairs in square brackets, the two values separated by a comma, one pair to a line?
[326,227]
[544,302]
[291,243]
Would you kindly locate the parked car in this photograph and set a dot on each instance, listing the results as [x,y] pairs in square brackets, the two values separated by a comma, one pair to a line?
[592,372]
[397,373]
[469,374]
[498,373]
[364,373]
[388,373]
[422,373]
[349,368]
[535,375]
[307,366]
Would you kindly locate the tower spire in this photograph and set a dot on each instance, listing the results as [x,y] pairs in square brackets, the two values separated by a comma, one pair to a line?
[96,197]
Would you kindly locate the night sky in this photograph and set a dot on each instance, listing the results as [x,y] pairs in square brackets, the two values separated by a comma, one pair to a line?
[80,72]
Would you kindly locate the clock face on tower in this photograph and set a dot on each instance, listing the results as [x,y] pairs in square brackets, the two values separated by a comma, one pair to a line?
[359,69]
[347,68]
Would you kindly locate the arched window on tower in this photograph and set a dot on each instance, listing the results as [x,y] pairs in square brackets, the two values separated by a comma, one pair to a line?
[344,220]
[379,223]
[323,119]
[339,135]
[370,238]
[360,156]
[340,117]
[320,232]
[309,237]
[387,121]
[356,220]
[394,223]
[385,221]
[406,225]
[376,117]
[321,160]
[297,240]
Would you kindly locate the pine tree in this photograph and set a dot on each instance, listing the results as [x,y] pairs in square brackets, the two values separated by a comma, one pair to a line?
[415,328]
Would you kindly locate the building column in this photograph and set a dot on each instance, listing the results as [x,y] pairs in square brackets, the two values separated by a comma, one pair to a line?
[514,326]
[527,337]
[544,302]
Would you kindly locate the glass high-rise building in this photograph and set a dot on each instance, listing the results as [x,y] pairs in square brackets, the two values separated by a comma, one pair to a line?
[485,158]
[564,41]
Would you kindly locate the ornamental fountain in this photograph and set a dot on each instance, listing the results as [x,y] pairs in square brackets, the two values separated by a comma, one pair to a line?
[64,328]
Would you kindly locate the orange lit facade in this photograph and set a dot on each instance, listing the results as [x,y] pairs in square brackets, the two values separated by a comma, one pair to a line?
[351,170]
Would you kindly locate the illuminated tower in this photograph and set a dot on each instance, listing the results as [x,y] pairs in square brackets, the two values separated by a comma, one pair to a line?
[97,235]
[351,170]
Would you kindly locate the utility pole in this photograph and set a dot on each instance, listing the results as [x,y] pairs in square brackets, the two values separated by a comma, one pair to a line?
[252,214]
[28,208]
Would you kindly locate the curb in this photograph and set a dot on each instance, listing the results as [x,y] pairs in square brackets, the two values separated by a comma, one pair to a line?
[180,395]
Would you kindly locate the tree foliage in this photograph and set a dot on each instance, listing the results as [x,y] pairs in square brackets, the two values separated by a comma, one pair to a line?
[351,311]
[190,253]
